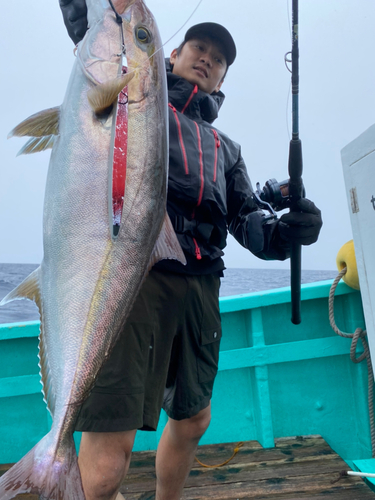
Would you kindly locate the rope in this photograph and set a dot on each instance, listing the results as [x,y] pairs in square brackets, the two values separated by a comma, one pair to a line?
[359,334]
[235,451]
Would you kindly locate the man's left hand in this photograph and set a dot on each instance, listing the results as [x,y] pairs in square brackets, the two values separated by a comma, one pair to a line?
[75,18]
[301,227]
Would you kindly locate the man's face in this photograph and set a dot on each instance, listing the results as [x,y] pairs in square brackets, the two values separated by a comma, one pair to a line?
[200,62]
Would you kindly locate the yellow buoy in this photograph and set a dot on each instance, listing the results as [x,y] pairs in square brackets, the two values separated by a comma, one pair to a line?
[346,258]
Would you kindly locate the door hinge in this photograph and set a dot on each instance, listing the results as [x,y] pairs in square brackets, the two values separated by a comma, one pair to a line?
[354,200]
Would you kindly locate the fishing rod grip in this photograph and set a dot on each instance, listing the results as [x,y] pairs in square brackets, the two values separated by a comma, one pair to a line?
[295,171]
[295,193]
[295,282]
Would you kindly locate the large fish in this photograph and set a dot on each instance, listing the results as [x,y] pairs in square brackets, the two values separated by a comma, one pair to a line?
[105,223]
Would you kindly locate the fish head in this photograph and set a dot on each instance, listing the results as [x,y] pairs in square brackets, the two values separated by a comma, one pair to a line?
[135,42]
[144,53]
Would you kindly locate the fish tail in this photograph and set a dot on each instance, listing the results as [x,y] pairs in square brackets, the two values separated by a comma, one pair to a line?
[52,476]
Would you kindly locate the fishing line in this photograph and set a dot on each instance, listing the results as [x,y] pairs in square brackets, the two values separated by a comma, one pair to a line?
[289,22]
[287,111]
[286,61]
[171,38]
[120,21]
[185,23]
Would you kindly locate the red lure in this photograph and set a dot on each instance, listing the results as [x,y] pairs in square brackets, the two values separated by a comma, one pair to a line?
[119,157]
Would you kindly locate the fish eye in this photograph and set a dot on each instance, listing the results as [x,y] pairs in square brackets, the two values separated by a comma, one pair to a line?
[143,35]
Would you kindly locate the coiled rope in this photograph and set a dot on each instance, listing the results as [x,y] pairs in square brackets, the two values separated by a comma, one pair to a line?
[359,334]
[235,451]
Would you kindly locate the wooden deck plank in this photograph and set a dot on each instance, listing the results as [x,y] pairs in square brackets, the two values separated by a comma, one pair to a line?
[274,487]
[297,468]
[301,468]
[315,446]
[241,473]
[303,487]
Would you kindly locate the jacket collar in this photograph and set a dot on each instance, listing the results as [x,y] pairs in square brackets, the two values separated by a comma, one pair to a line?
[201,106]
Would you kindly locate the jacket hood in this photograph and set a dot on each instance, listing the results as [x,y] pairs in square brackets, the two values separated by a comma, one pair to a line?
[201,106]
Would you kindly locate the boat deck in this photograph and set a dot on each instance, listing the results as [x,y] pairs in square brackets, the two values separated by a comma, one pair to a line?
[300,468]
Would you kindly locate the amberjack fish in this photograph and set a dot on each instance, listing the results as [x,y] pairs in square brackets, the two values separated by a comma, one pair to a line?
[104,224]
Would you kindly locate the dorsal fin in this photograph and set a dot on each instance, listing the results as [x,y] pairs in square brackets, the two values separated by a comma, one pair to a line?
[40,124]
[30,289]
[167,245]
[102,96]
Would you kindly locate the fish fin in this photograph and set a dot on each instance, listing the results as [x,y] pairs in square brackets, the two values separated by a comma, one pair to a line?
[167,245]
[40,124]
[37,144]
[30,289]
[49,395]
[105,94]
[52,476]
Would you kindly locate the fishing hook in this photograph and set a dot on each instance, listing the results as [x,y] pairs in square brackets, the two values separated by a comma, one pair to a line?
[119,21]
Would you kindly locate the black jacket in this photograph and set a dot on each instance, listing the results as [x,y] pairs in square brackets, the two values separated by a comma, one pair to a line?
[209,191]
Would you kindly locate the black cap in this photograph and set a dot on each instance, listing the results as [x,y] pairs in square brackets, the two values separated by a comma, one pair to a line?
[216,32]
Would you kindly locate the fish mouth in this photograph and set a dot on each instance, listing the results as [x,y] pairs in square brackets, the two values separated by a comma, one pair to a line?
[201,70]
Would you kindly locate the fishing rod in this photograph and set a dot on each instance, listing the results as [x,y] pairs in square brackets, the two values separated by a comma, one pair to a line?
[295,170]
[278,196]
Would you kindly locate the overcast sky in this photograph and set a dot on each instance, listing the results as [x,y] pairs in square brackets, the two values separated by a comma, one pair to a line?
[337,103]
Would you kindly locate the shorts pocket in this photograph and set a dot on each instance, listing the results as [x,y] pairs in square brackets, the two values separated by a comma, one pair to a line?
[208,358]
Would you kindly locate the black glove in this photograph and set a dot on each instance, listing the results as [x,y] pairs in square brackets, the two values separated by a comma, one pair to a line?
[75,18]
[301,227]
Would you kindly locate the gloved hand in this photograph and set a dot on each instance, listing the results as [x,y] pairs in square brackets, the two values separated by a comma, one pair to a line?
[301,227]
[75,18]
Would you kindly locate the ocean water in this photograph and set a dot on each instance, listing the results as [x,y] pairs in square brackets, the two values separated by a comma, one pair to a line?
[235,282]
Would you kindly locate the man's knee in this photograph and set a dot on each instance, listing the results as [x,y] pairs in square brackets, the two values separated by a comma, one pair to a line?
[104,460]
[194,427]
[201,421]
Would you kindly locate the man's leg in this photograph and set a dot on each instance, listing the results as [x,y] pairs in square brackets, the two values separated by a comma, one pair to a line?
[103,460]
[176,451]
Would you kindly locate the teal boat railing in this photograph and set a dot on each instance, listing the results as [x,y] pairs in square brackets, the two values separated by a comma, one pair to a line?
[275,379]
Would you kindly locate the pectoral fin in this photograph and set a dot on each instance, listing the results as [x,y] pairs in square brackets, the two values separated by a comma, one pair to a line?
[167,245]
[43,127]
[40,124]
[37,144]
[102,96]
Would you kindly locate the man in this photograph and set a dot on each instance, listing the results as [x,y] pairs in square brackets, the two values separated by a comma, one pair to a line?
[167,355]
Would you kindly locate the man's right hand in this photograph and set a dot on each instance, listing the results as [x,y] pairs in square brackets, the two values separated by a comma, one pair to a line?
[75,18]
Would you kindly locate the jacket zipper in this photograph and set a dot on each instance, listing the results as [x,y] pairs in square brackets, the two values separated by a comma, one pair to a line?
[217,145]
[198,254]
[200,164]
[195,91]
[181,141]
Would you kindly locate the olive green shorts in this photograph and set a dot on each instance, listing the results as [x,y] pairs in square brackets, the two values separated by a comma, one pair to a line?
[166,357]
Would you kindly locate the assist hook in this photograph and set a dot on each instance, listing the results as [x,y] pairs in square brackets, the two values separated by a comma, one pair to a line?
[119,21]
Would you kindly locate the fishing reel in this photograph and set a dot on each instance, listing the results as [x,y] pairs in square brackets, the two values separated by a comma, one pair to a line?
[274,196]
